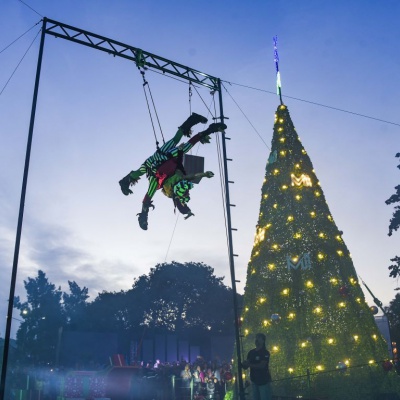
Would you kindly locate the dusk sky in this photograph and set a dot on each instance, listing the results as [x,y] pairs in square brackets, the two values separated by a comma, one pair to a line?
[92,127]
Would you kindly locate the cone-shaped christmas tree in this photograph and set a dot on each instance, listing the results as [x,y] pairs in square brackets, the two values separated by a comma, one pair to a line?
[302,290]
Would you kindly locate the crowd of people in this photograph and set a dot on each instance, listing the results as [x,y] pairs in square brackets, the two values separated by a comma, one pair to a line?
[198,381]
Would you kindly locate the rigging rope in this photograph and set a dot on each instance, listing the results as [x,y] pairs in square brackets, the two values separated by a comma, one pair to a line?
[31,8]
[314,103]
[245,116]
[15,69]
[19,37]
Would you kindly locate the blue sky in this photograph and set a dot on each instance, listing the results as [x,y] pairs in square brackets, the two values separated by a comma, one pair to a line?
[92,128]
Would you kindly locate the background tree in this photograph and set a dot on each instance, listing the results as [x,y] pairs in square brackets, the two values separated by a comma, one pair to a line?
[394,225]
[74,305]
[42,316]
[186,298]
[107,313]
[393,313]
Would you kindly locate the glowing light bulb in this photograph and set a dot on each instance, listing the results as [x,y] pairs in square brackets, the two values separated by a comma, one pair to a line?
[298,197]
[268,226]
[330,217]
[284,187]
[317,310]
[282,153]
[275,246]
[275,205]
[281,120]
[322,235]
[330,341]
[312,213]
[271,266]
[303,151]
[355,337]
[290,218]
[358,300]
[309,284]
[276,171]
[338,238]
[333,280]
[347,362]
[282,140]
[321,256]
[253,271]
[282,107]
[275,348]
[317,193]
[297,235]
[291,315]
[371,362]
[246,331]
[265,196]
[266,322]
[297,166]
[340,252]
[291,370]
[285,291]
[280,129]
[295,259]
[247,309]
[262,299]
[342,304]
[319,367]
[374,337]
[303,344]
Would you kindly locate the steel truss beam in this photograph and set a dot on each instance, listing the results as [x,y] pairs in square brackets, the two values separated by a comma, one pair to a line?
[140,57]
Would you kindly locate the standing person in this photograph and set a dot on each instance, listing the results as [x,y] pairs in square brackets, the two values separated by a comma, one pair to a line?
[258,362]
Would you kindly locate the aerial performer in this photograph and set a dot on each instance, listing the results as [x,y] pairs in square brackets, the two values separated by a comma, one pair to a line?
[164,169]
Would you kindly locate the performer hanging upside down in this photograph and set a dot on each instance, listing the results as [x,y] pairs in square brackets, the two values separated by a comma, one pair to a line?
[164,169]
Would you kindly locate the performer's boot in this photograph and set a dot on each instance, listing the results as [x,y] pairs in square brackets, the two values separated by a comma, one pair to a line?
[126,182]
[190,122]
[213,128]
[145,212]
[203,137]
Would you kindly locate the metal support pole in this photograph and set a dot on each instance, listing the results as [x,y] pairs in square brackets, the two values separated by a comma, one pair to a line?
[231,262]
[20,219]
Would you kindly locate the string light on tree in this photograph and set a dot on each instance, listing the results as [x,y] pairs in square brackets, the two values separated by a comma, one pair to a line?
[305,272]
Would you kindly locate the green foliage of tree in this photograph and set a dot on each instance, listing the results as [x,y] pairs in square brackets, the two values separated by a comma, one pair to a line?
[74,304]
[186,299]
[302,289]
[394,225]
[393,313]
[42,316]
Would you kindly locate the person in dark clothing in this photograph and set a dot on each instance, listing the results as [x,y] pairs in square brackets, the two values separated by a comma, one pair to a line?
[258,362]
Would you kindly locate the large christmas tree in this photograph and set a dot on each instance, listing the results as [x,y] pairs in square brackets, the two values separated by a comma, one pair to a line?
[302,289]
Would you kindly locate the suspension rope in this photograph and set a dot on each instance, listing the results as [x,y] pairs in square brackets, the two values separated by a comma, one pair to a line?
[146,84]
[221,180]
[15,69]
[172,237]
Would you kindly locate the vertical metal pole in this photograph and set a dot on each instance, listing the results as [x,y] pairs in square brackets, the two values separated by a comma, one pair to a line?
[231,262]
[20,219]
